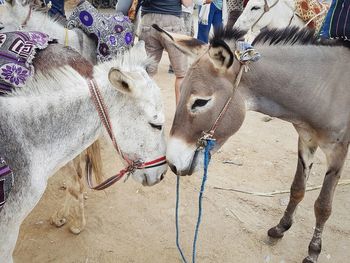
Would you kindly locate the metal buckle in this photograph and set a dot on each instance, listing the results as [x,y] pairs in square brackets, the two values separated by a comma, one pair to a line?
[132,168]
[203,140]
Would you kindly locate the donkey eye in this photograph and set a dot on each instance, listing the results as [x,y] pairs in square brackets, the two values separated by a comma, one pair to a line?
[156,126]
[199,103]
[255,8]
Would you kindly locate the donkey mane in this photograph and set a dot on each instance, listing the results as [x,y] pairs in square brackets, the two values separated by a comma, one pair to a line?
[273,37]
[43,83]
[61,79]
[287,36]
[227,33]
[295,36]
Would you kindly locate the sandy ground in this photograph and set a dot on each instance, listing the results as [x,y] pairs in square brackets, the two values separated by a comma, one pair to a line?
[130,223]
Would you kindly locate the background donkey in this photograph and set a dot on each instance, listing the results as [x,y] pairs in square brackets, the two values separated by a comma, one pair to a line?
[16,16]
[57,120]
[296,80]
[259,14]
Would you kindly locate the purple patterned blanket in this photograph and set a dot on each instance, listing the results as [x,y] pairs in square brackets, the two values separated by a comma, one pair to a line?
[114,33]
[6,181]
[17,50]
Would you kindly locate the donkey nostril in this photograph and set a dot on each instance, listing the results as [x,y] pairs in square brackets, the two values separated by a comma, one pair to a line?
[162,177]
[173,168]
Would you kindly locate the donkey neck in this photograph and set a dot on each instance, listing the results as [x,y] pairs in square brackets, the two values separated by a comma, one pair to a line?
[52,128]
[289,81]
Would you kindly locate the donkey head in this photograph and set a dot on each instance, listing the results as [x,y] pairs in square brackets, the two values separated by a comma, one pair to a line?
[205,89]
[264,13]
[137,113]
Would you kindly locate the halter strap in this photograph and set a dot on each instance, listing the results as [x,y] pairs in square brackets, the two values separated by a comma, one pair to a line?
[228,102]
[105,119]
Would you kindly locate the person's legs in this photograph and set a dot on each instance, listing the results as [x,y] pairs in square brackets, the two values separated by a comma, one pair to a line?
[153,46]
[217,18]
[188,23]
[178,60]
[203,30]
[178,81]
[56,8]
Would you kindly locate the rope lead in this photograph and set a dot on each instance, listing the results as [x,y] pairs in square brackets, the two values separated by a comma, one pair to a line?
[209,146]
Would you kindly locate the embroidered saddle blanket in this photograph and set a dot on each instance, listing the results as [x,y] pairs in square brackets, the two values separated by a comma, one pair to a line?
[311,11]
[17,50]
[6,181]
[337,22]
[114,33]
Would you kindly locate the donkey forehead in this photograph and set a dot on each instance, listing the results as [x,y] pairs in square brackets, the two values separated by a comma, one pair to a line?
[151,96]
[202,78]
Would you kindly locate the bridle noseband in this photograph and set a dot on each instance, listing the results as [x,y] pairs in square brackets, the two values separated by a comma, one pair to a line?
[132,165]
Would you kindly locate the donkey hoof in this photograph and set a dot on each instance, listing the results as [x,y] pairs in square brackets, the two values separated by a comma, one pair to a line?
[275,232]
[309,260]
[58,221]
[75,230]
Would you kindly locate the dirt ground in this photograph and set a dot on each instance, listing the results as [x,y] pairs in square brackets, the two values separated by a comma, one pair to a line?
[130,223]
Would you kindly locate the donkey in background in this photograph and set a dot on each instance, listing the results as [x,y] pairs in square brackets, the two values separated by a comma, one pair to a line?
[296,80]
[16,16]
[259,14]
[57,120]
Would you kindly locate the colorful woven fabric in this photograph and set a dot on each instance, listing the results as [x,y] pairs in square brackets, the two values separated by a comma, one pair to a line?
[337,22]
[113,32]
[309,9]
[6,182]
[17,49]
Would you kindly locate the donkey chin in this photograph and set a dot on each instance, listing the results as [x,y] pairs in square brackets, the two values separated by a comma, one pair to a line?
[152,177]
[182,158]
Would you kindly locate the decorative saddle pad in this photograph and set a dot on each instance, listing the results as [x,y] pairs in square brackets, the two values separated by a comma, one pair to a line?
[113,32]
[309,9]
[6,181]
[17,50]
[337,22]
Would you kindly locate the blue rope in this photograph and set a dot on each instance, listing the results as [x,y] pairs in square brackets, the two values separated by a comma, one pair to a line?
[209,146]
[177,219]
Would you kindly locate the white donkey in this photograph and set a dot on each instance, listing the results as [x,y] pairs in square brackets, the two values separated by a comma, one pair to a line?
[16,16]
[259,14]
[53,119]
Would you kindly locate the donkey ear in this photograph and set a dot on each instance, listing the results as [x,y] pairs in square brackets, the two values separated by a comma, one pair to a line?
[220,54]
[188,45]
[120,81]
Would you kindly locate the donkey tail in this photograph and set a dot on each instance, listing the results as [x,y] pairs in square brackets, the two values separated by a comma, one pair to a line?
[93,154]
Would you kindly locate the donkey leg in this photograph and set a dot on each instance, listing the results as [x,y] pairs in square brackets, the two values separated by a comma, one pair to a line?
[60,217]
[22,199]
[323,206]
[78,222]
[306,150]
